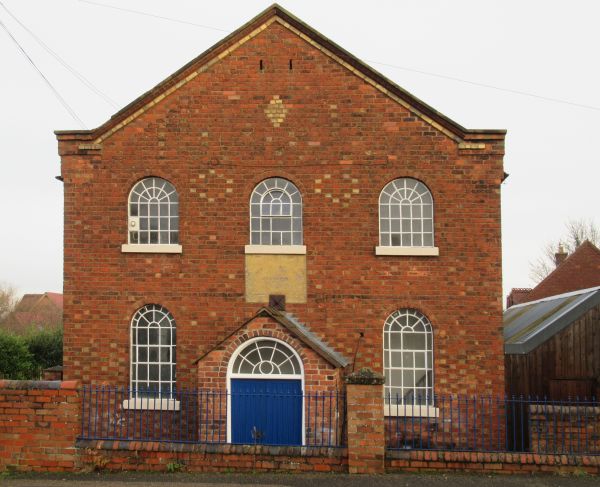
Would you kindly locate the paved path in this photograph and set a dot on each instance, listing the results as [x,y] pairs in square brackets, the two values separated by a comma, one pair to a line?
[294,480]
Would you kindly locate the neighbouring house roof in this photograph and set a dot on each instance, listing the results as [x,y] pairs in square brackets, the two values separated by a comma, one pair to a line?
[27,302]
[299,331]
[56,298]
[528,325]
[275,13]
[35,310]
[580,270]
[518,295]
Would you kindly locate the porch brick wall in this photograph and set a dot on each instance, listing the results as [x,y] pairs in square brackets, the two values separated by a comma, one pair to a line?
[39,421]
[319,375]
[366,435]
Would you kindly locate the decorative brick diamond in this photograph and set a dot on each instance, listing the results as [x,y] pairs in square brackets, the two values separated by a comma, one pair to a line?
[276,111]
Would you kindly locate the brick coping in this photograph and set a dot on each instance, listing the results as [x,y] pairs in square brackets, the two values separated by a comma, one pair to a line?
[292,451]
[38,384]
[493,457]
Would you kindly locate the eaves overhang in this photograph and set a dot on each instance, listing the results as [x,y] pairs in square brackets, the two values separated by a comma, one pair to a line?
[529,325]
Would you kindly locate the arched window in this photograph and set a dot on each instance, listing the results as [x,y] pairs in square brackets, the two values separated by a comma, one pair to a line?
[152,351]
[408,358]
[266,357]
[153,212]
[276,213]
[405,214]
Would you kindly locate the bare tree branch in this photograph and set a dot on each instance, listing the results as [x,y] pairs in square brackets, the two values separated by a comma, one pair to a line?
[577,232]
[8,300]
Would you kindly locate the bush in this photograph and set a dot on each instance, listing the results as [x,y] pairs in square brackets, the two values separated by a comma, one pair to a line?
[45,347]
[16,362]
[25,357]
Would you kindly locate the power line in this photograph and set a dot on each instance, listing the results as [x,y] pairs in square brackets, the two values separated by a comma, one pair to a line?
[147,14]
[73,71]
[56,93]
[426,73]
[492,87]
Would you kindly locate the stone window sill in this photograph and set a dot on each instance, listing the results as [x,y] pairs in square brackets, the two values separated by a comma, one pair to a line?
[152,248]
[276,249]
[414,251]
[151,404]
[402,410]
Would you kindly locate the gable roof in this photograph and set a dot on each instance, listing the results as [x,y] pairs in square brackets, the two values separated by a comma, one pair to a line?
[580,270]
[298,330]
[528,325]
[30,302]
[56,298]
[466,138]
[27,302]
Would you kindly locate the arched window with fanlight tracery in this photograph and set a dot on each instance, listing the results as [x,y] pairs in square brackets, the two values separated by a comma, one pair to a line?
[276,213]
[408,358]
[153,213]
[266,357]
[405,214]
[153,340]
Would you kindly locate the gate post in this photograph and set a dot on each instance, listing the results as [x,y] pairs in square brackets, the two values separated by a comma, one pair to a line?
[366,433]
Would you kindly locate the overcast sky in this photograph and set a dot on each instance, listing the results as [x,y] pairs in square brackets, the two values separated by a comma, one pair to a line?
[546,48]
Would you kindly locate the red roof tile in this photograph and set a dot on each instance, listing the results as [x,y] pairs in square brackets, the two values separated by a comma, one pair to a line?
[580,270]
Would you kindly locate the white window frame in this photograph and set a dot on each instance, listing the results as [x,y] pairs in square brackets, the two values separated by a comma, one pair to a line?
[232,375]
[145,186]
[402,408]
[259,193]
[137,400]
[420,190]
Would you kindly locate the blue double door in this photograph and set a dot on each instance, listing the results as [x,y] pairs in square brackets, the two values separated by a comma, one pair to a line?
[266,411]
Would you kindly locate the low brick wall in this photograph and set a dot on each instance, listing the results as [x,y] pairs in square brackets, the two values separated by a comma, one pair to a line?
[153,456]
[39,422]
[501,463]
[564,428]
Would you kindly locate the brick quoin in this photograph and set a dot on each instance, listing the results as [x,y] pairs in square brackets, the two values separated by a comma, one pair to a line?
[341,141]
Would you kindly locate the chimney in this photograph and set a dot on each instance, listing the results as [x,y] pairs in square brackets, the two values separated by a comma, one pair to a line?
[560,256]
[277,301]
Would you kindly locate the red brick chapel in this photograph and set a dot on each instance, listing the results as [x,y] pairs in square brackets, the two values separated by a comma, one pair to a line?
[277,208]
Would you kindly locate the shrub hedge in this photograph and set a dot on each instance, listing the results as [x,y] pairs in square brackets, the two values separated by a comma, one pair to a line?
[26,356]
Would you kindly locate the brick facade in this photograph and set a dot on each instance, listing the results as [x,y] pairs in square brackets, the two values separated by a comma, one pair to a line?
[340,134]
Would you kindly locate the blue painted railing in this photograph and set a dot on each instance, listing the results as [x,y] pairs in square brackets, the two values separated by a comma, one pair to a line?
[493,424]
[202,416]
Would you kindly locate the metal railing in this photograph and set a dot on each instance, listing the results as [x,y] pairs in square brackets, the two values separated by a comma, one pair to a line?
[206,416]
[494,424]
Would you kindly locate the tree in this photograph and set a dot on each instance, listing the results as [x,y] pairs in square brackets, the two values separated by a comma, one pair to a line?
[578,231]
[8,300]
